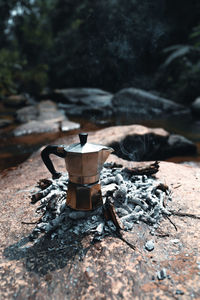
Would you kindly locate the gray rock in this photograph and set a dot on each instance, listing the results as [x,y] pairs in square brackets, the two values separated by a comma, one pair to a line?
[162,274]
[38,126]
[15,101]
[47,105]
[179,145]
[92,103]
[196,107]
[44,111]
[74,95]
[5,123]
[67,125]
[138,104]
[33,127]
[26,114]
[149,245]
[41,118]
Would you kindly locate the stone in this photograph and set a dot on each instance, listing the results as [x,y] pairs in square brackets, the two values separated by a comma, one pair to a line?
[67,125]
[26,114]
[71,95]
[35,127]
[162,274]
[38,127]
[47,105]
[196,107]
[92,103]
[42,118]
[15,101]
[136,104]
[77,267]
[5,122]
[179,145]
[179,292]
[149,245]
[139,143]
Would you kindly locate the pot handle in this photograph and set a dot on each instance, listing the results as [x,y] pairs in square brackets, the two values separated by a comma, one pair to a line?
[56,150]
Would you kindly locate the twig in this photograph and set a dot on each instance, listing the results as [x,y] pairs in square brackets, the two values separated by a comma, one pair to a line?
[182,214]
[161,234]
[171,222]
[119,235]
[177,186]
[29,223]
[110,214]
[144,170]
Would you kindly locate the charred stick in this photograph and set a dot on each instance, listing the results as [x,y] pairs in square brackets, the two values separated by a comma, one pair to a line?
[182,214]
[144,170]
[171,222]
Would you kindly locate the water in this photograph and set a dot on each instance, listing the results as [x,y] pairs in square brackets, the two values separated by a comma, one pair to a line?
[14,150]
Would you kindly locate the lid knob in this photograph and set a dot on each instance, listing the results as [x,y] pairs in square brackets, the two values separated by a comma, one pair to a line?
[83,138]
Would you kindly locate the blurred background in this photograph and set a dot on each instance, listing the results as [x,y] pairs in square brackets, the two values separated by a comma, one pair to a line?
[49,49]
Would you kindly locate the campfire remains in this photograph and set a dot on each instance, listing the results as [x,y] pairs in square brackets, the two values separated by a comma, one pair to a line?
[128,199]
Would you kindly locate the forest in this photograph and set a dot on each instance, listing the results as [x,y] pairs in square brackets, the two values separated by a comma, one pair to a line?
[152,45]
[99,149]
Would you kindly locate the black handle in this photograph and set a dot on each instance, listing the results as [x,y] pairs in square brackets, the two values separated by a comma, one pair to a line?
[56,150]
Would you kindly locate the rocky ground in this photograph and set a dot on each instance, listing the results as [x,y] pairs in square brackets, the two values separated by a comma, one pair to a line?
[108,269]
[94,104]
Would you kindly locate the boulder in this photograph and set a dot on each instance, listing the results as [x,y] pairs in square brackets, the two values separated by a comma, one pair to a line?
[105,269]
[26,114]
[15,101]
[39,127]
[5,122]
[87,102]
[48,111]
[178,145]
[136,104]
[138,143]
[42,118]
[196,107]
[35,127]
[67,125]
[76,94]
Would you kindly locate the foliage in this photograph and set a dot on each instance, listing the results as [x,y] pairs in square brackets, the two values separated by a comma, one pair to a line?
[9,66]
[182,69]
[24,62]
[106,44]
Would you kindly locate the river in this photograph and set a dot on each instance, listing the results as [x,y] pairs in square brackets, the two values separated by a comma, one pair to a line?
[14,150]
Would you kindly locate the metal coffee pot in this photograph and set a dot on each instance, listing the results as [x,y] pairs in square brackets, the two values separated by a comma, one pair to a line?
[84,162]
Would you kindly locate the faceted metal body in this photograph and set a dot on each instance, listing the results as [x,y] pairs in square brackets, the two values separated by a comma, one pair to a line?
[85,168]
[84,197]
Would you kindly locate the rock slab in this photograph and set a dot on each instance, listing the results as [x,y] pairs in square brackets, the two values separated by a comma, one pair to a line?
[88,102]
[42,118]
[109,269]
[138,104]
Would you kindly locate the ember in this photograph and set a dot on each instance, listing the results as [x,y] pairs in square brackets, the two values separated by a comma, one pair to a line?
[133,198]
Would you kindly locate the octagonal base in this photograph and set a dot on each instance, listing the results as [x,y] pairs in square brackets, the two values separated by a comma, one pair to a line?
[84,197]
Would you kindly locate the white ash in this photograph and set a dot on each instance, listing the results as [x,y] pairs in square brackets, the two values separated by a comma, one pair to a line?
[135,199]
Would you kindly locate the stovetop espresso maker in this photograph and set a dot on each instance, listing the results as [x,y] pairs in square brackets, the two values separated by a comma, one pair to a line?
[84,161]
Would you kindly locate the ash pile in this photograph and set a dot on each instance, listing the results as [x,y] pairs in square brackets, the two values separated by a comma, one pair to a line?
[133,199]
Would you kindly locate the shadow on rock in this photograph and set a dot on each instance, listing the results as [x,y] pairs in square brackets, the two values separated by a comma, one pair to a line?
[47,254]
